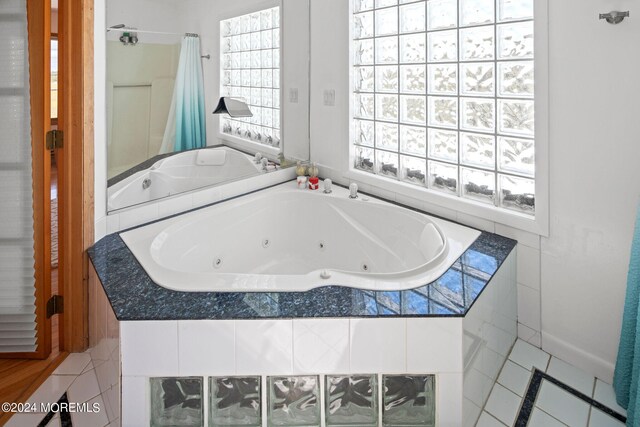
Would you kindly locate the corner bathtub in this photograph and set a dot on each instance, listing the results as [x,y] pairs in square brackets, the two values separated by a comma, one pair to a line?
[283,239]
[177,174]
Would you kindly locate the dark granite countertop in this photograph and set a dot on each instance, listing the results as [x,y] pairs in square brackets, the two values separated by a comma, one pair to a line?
[134,296]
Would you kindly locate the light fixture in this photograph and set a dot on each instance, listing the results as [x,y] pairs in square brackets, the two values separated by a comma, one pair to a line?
[115,27]
[233,107]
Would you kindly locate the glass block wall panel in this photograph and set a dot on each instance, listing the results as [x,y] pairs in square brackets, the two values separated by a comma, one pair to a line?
[250,69]
[294,401]
[351,400]
[409,400]
[176,402]
[443,96]
[235,401]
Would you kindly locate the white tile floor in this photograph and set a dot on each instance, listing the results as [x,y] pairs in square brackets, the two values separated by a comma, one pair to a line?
[77,377]
[554,406]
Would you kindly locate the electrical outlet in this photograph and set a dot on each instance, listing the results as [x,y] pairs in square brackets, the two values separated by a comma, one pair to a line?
[330,97]
[293,95]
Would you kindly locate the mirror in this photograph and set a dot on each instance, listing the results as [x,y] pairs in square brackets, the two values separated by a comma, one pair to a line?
[170,63]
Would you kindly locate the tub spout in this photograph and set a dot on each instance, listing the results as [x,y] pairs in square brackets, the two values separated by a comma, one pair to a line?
[353,191]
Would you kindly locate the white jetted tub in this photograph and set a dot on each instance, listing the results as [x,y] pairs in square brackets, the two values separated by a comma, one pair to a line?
[182,172]
[283,239]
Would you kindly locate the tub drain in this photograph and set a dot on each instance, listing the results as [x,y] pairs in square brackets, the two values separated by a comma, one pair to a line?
[266,243]
[364,266]
[321,245]
[217,262]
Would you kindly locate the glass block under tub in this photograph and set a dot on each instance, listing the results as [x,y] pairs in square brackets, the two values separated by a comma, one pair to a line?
[294,401]
[176,402]
[235,401]
[351,400]
[408,400]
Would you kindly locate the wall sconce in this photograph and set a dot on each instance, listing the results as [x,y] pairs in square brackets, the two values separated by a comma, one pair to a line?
[233,107]
[614,17]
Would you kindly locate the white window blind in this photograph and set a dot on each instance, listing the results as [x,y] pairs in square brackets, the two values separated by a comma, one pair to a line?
[250,69]
[17,283]
[443,96]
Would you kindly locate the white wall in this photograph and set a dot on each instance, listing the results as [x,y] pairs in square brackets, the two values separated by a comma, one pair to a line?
[595,179]
[570,285]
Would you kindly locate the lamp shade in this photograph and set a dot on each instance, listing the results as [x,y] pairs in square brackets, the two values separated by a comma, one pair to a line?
[233,107]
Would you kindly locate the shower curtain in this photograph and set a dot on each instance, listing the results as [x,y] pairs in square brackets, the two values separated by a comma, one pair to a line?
[186,123]
[626,380]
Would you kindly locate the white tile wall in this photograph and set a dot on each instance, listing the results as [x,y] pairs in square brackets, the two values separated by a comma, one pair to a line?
[149,348]
[523,237]
[490,329]
[135,401]
[174,205]
[321,346]
[529,267]
[206,347]
[264,347]
[378,345]
[139,215]
[475,222]
[434,345]
[449,396]
[529,307]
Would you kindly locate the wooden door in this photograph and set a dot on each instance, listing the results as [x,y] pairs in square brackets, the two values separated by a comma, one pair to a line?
[38,21]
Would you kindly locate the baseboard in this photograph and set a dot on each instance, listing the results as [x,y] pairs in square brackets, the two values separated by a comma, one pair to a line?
[594,365]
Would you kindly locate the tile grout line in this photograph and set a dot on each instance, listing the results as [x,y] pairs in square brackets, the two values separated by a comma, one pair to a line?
[532,393]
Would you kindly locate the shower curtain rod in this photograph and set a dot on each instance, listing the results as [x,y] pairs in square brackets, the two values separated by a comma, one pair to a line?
[135,30]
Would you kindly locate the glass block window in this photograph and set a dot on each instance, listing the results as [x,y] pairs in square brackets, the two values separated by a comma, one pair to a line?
[250,70]
[443,96]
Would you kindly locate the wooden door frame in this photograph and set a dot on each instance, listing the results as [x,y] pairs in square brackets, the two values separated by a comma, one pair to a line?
[76,166]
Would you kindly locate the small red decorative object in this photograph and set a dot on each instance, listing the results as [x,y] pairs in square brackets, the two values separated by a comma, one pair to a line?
[314,183]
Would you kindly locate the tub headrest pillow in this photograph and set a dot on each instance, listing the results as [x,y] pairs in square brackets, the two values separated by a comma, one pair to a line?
[211,157]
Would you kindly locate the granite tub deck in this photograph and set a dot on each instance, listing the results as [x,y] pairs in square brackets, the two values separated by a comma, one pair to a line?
[134,296]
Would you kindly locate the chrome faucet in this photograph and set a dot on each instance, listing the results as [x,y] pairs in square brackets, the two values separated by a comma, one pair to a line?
[353,191]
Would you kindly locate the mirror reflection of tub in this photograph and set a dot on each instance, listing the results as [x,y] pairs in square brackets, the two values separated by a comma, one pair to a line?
[183,172]
[147,101]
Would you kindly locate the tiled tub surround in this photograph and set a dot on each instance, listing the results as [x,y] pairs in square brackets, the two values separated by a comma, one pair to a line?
[457,328]
[104,348]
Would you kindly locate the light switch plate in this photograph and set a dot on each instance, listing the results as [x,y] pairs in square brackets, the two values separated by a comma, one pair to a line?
[330,97]
[293,95]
